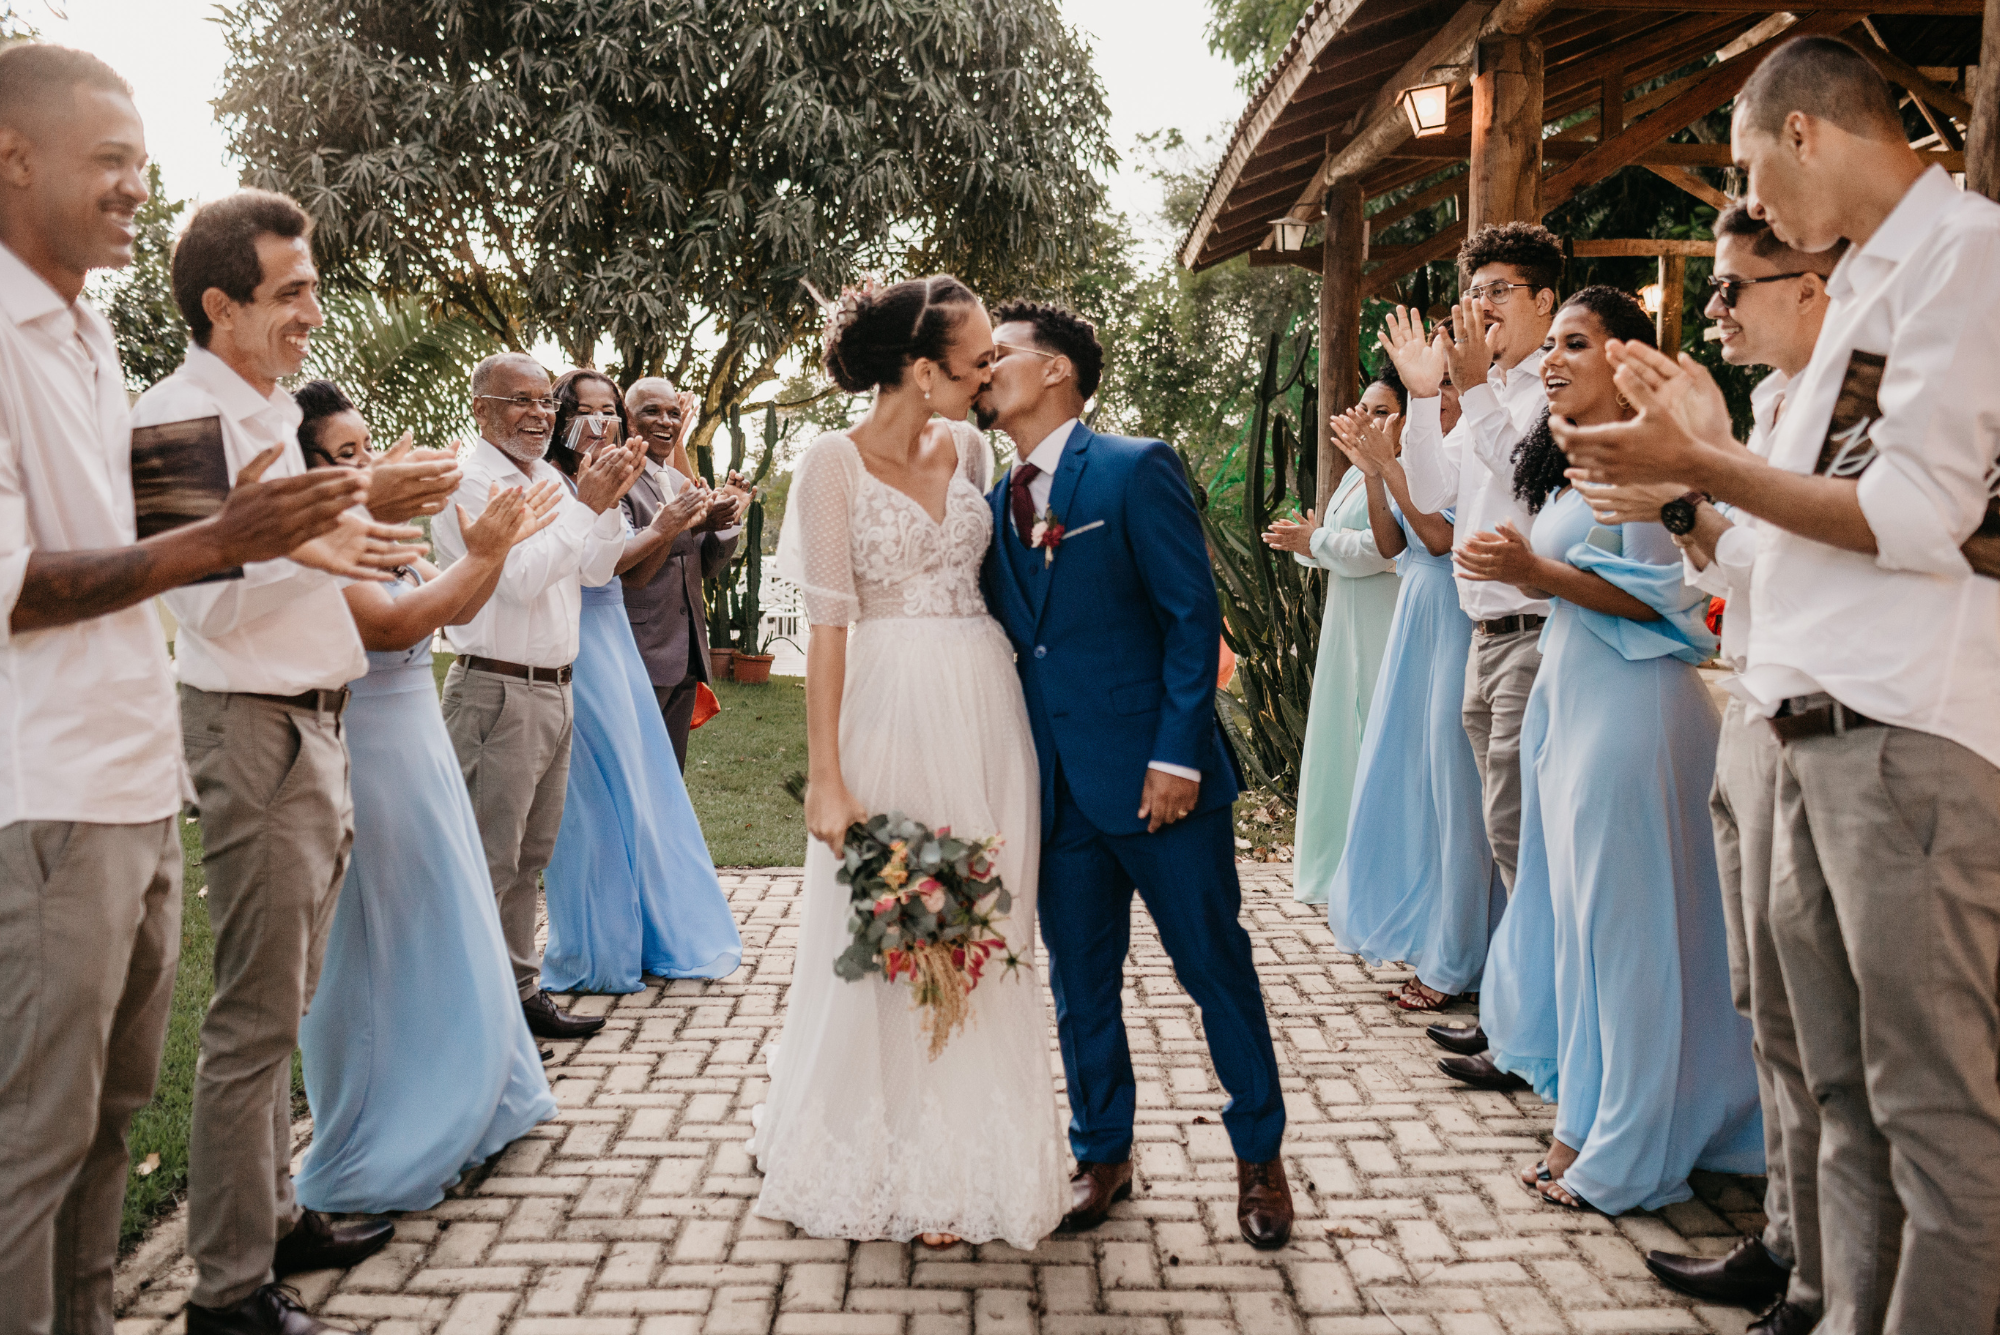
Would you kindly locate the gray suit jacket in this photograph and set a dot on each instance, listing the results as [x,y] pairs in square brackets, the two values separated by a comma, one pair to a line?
[669,615]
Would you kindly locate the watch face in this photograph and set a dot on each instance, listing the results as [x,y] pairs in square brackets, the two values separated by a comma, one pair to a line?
[1678,516]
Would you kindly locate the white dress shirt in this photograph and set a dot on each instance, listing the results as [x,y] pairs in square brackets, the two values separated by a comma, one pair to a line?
[533,615]
[89,729]
[283,628]
[1047,457]
[1472,469]
[1909,636]
[1727,575]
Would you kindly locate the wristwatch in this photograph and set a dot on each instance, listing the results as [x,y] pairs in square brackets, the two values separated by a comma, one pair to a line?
[1677,515]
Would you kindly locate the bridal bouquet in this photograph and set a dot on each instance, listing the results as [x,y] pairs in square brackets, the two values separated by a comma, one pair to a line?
[923,904]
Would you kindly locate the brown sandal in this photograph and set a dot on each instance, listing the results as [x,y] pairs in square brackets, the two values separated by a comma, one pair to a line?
[1416,997]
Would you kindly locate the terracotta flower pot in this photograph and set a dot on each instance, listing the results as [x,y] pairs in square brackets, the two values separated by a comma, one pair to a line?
[718,663]
[753,668]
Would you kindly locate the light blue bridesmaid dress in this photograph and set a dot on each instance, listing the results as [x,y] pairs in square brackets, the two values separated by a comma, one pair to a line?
[1417,882]
[1610,977]
[631,886]
[1353,628]
[418,1061]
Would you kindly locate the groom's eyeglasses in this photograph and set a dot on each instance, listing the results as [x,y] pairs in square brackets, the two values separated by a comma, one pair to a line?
[1009,349]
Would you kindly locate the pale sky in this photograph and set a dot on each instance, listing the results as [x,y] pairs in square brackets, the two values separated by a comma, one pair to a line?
[1156,68]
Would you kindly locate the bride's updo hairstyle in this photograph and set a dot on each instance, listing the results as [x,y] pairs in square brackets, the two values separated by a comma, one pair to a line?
[875,333]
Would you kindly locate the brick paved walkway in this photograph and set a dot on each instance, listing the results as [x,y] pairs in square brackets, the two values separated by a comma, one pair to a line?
[630,1213]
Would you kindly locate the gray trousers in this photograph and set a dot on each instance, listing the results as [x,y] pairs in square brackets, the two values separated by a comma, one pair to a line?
[1886,906]
[1742,805]
[90,930]
[512,740]
[1499,673]
[677,708]
[277,823]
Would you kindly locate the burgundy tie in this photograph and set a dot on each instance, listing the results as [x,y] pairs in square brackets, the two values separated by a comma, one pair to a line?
[1024,504]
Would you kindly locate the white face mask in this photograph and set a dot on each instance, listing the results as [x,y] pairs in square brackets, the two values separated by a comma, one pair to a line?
[589,431]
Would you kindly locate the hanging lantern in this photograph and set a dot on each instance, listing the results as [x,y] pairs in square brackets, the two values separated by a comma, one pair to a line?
[1288,234]
[1649,297]
[1426,106]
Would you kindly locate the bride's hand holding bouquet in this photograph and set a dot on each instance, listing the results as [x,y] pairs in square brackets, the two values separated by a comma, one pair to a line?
[831,810]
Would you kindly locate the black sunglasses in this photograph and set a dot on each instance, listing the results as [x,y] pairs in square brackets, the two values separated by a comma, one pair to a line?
[1731,289]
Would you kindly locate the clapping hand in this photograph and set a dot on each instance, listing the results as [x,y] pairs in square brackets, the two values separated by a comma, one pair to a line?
[685,509]
[262,521]
[732,498]
[1419,359]
[1633,503]
[1290,536]
[1467,352]
[1504,557]
[1682,422]
[1368,440]
[609,473]
[512,516]
[406,482]
[361,549]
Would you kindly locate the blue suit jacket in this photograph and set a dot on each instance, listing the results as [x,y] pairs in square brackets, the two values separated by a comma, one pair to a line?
[1117,638]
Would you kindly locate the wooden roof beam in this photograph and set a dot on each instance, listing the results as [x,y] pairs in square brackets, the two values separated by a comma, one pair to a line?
[1705,92]
[1927,8]
[1897,71]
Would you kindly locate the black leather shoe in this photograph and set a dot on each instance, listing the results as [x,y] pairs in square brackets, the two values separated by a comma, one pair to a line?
[1748,1275]
[1782,1318]
[271,1310]
[1480,1073]
[1457,1038]
[1093,1189]
[316,1244]
[545,1021]
[1263,1203]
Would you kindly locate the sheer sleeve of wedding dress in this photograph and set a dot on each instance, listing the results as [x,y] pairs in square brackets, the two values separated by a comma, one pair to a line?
[861,1135]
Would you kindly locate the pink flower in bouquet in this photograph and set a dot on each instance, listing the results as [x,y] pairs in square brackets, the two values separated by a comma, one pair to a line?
[886,903]
[931,893]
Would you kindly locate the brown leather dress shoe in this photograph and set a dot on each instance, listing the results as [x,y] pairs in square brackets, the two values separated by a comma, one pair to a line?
[315,1243]
[1783,1318]
[1458,1039]
[1263,1203]
[271,1310]
[1747,1275]
[1480,1073]
[545,1021]
[1093,1190]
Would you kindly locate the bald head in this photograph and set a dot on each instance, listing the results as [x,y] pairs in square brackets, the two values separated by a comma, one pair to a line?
[658,416]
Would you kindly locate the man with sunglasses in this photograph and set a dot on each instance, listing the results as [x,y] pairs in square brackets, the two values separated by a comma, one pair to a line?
[507,697]
[1768,301]
[1875,657]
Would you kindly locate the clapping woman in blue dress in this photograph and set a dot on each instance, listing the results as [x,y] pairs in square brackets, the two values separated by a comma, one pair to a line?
[1608,986]
[1417,881]
[418,1062]
[631,887]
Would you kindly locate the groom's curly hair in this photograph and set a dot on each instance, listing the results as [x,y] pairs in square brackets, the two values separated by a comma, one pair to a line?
[1063,332]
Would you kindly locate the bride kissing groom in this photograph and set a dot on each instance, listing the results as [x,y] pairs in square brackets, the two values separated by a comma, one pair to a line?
[1037,662]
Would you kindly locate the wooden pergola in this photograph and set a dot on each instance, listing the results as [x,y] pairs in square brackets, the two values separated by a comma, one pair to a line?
[1540,104]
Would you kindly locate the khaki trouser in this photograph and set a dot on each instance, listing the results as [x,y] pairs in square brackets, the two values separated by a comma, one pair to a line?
[512,740]
[1742,805]
[90,929]
[1886,906]
[1499,672]
[276,824]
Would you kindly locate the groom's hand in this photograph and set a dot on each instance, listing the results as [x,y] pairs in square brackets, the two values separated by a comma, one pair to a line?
[1166,799]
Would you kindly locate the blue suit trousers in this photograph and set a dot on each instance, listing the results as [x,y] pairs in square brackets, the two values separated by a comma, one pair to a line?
[1186,873]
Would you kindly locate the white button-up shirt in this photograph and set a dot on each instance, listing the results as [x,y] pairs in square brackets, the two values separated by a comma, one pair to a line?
[1727,575]
[89,729]
[1473,470]
[283,628]
[1909,636]
[534,614]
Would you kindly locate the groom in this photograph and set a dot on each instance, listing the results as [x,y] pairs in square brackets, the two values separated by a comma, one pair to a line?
[1100,575]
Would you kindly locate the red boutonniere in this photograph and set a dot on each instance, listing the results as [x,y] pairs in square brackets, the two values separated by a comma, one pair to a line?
[1048,534]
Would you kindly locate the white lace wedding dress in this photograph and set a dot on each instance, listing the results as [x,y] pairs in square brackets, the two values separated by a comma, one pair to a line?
[861,1135]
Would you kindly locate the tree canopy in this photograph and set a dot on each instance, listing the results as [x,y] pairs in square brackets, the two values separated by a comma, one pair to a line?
[666,174]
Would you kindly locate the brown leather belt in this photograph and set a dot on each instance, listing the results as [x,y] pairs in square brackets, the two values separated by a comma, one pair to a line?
[520,671]
[1796,720]
[319,702]
[1509,625]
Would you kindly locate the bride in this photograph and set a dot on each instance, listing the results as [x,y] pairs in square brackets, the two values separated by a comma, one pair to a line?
[912,705]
